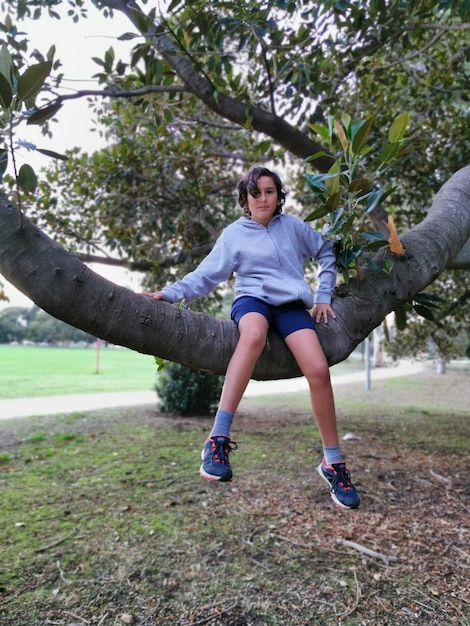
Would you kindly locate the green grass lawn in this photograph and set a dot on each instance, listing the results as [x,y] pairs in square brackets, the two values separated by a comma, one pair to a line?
[32,371]
[27,372]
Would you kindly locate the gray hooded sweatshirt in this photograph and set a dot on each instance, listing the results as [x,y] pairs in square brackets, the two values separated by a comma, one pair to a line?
[268,263]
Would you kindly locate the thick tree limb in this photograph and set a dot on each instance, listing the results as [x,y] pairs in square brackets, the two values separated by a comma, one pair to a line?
[62,285]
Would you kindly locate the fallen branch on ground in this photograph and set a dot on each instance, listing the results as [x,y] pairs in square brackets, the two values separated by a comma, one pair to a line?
[387,559]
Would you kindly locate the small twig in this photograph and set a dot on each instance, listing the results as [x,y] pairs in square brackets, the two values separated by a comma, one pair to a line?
[387,559]
[214,614]
[85,621]
[465,554]
[102,619]
[356,604]
[61,573]
[299,544]
[446,549]
[259,564]
[439,477]
[54,543]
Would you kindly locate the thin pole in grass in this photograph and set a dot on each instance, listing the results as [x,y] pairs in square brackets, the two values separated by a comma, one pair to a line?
[97,351]
[367,351]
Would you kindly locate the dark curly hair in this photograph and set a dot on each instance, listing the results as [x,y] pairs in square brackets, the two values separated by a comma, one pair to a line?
[249,184]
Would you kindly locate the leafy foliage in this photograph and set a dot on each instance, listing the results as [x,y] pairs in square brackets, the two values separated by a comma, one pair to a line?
[19,88]
[346,197]
[185,391]
[21,324]
[435,323]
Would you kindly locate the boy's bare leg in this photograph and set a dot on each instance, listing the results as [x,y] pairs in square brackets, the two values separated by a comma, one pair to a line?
[253,329]
[308,353]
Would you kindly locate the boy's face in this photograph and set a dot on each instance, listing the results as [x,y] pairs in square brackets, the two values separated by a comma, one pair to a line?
[263,201]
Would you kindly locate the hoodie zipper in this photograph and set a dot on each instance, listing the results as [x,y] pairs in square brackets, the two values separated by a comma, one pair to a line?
[274,245]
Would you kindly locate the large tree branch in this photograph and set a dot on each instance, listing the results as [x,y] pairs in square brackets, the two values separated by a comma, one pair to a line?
[62,285]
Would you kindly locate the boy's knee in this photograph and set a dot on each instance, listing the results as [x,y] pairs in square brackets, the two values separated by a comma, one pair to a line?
[319,374]
[253,338]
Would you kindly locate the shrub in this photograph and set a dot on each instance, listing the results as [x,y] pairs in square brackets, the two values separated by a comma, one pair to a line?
[186,391]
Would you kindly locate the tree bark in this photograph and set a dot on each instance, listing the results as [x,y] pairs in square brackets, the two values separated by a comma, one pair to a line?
[62,285]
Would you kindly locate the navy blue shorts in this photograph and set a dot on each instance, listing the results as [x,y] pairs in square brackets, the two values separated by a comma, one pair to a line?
[286,318]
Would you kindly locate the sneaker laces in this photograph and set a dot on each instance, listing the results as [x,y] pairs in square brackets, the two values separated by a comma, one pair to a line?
[221,448]
[342,476]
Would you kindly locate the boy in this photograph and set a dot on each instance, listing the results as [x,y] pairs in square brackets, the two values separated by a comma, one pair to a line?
[266,250]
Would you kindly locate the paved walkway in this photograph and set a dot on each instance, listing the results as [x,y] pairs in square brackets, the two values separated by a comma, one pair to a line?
[27,407]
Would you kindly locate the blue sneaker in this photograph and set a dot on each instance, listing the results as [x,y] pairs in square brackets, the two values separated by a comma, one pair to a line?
[339,480]
[215,465]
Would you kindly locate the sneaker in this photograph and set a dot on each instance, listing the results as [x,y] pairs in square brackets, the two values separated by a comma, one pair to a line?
[341,489]
[215,465]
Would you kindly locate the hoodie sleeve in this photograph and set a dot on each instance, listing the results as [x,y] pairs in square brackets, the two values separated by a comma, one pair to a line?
[213,270]
[320,250]
[326,260]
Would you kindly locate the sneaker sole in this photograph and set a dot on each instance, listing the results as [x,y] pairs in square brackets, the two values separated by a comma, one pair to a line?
[333,496]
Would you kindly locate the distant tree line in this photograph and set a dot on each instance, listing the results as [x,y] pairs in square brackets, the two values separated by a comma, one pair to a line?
[22,324]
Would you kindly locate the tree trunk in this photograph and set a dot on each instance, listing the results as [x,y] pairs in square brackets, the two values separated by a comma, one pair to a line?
[62,285]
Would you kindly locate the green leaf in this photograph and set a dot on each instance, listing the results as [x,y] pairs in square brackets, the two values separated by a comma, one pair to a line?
[332,180]
[32,80]
[6,92]
[317,155]
[360,138]
[3,162]
[354,128]
[51,53]
[429,299]
[335,216]
[52,154]
[388,266]
[375,245]
[42,115]
[423,311]
[398,128]
[358,185]
[348,255]
[389,152]
[316,182]
[372,264]
[373,200]
[27,179]
[6,64]
[346,122]
[317,214]
[321,130]
[129,36]
[332,201]
[373,236]
[331,125]
[400,318]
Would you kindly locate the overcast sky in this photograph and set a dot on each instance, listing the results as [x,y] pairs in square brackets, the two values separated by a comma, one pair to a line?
[75,44]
